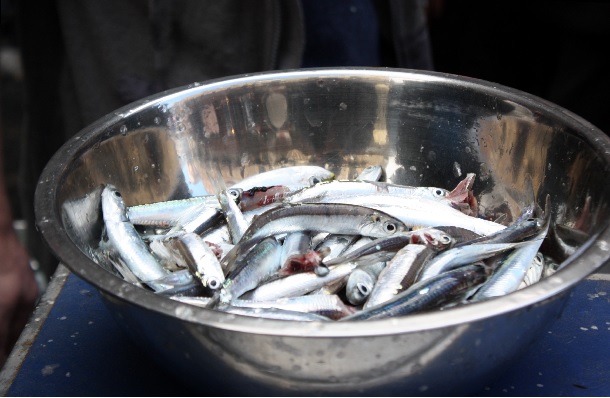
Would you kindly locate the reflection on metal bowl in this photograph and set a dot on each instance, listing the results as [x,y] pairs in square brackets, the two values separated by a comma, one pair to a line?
[424,128]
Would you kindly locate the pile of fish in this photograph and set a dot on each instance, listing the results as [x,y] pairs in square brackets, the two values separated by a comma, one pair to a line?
[294,243]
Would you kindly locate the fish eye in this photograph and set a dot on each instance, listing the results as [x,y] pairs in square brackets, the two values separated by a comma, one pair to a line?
[439,192]
[313,180]
[117,194]
[234,193]
[539,258]
[389,227]
[445,239]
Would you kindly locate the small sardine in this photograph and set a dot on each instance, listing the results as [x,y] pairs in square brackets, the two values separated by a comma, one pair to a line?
[200,259]
[262,263]
[273,313]
[460,256]
[371,173]
[322,304]
[124,238]
[292,177]
[333,218]
[425,295]
[361,282]
[383,249]
[399,273]
[509,275]
[298,284]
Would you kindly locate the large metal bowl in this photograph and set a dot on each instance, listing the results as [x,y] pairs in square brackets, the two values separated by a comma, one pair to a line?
[424,128]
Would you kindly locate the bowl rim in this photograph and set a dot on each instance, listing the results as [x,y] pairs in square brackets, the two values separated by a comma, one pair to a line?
[48,221]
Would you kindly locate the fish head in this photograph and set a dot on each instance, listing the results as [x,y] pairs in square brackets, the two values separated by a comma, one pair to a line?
[433,238]
[379,225]
[113,206]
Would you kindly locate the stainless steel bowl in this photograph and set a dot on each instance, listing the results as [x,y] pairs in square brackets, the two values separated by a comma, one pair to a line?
[424,128]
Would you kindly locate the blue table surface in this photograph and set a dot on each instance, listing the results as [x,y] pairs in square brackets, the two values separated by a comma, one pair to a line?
[79,350]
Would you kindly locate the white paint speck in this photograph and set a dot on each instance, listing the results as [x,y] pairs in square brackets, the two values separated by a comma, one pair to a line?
[90,323]
[50,341]
[49,369]
[413,168]
[594,327]
[601,293]
[63,318]
[540,385]
[423,388]
[68,374]
[582,328]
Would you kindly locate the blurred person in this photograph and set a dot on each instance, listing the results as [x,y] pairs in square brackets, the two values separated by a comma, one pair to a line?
[85,58]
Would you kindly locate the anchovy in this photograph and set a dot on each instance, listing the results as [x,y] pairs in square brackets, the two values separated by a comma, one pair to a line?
[534,272]
[337,244]
[425,295]
[292,177]
[334,218]
[273,313]
[298,284]
[126,241]
[295,243]
[262,263]
[236,221]
[371,173]
[322,304]
[460,256]
[177,283]
[200,259]
[399,273]
[421,212]
[383,249]
[168,213]
[361,281]
[329,192]
[509,275]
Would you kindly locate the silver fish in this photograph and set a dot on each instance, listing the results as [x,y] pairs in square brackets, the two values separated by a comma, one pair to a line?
[399,273]
[200,259]
[168,213]
[361,282]
[295,243]
[262,263]
[509,275]
[383,249]
[421,212]
[322,304]
[273,313]
[298,284]
[329,192]
[425,295]
[333,218]
[236,221]
[534,272]
[293,177]
[371,173]
[126,240]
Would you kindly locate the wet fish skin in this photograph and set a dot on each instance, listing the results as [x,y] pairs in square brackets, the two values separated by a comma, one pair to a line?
[200,259]
[298,284]
[124,238]
[383,249]
[463,255]
[273,313]
[426,295]
[416,211]
[333,218]
[509,275]
[371,173]
[399,273]
[361,282]
[292,177]
[262,263]
[330,306]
